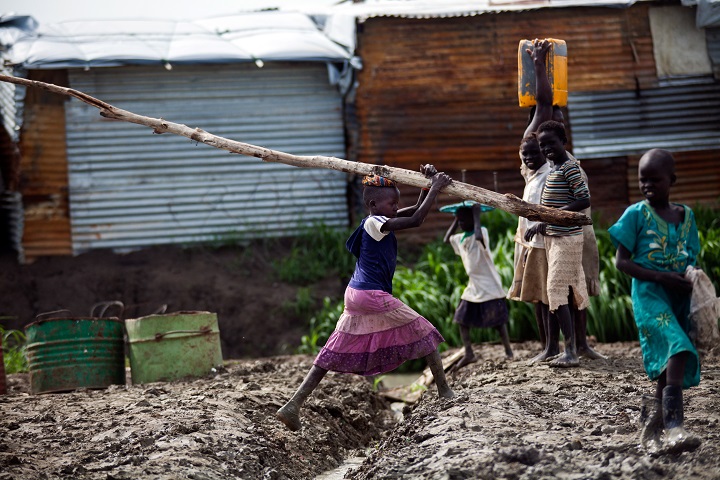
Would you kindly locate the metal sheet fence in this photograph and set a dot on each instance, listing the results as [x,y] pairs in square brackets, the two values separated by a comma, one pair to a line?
[130,188]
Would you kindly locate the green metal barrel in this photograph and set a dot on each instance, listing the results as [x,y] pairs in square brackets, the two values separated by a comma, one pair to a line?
[68,353]
[173,345]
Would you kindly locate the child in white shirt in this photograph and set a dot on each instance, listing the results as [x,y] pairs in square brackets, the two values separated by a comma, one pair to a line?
[482,304]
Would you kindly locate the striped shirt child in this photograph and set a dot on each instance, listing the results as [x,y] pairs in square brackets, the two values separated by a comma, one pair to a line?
[562,187]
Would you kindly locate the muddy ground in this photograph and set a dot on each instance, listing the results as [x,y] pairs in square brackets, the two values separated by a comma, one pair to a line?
[508,420]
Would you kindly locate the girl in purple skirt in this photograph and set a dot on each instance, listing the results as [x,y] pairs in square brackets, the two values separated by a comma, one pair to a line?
[377,332]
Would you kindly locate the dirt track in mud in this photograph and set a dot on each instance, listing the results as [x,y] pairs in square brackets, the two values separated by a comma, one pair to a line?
[508,420]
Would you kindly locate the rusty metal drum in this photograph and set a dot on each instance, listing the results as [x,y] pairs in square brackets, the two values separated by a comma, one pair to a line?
[68,353]
[172,346]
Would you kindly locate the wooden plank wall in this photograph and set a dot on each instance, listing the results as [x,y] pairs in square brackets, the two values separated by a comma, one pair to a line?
[43,170]
[444,90]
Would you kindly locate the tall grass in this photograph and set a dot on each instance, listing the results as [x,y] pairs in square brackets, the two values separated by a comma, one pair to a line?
[13,345]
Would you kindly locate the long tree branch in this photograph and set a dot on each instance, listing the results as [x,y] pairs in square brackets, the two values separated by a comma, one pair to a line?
[508,202]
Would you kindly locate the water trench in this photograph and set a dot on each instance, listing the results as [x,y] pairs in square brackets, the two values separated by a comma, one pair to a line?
[389,381]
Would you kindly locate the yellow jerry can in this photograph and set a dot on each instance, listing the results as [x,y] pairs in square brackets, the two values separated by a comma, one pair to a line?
[556,67]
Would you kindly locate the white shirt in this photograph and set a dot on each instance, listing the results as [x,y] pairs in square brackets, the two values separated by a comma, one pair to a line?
[373,226]
[484,281]
[534,183]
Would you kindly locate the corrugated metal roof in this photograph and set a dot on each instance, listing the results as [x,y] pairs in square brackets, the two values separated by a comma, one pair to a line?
[677,118]
[250,37]
[459,8]
[130,188]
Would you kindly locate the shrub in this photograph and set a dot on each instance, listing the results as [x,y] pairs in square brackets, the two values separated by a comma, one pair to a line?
[13,345]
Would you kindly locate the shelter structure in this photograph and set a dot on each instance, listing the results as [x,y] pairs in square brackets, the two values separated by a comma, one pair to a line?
[269,78]
[439,85]
[383,81]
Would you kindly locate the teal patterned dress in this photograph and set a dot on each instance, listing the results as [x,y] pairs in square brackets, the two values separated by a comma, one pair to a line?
[661,315]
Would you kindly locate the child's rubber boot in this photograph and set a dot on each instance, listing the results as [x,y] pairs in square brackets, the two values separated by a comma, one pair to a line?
[677,439]
[651,423]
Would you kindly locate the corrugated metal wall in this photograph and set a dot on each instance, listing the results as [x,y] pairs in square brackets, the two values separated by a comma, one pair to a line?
[131,188]
[698,179]
[43,169]
[713,46]
[444,90]
[11,216]
[678,118]
[8,106]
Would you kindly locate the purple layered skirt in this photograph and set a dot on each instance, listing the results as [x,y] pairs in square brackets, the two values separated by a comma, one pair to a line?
[376,333]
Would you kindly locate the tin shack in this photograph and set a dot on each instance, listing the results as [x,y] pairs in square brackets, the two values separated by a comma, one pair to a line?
[83,182]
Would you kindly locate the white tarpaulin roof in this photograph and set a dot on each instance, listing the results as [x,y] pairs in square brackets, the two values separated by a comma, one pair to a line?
[247,37]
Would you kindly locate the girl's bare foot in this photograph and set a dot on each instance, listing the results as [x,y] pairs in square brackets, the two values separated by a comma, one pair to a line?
[589,353]
[289,415]
[445,392]
[542,357]
[565,360]
[465,360]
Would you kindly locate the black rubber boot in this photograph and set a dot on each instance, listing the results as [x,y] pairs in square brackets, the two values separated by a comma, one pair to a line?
[677,439]
[651,423]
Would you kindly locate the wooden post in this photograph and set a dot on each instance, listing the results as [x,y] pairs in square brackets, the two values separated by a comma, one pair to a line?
[508,202]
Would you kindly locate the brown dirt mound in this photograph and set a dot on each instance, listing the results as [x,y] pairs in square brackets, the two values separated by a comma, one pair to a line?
[221,427]
[255,310]
[509,420]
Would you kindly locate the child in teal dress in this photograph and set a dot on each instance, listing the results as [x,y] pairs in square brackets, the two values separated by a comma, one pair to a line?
[656,240]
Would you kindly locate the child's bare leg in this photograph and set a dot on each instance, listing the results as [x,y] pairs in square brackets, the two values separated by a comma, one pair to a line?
[436,367]
[677,439]
[583,349]
[469,356]
[503,331]
[289,414]
[569,358]
[552,336]
[541,313]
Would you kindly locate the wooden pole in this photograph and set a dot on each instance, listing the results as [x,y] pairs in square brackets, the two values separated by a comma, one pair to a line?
[508,202]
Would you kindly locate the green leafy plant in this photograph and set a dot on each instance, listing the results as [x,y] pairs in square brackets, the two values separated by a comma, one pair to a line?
[417,387]
[304,304]
[321,326]
[13,345]
[315,254]
[377,380]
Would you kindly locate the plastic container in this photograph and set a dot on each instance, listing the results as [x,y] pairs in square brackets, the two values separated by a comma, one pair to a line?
[173,345]
[556,67]
[69,353]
